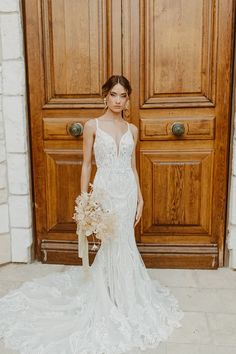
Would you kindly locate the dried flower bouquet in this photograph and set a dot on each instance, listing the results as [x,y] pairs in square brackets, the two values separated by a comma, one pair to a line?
[92,218]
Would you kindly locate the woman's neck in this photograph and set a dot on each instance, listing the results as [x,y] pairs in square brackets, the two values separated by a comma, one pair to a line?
[113,115]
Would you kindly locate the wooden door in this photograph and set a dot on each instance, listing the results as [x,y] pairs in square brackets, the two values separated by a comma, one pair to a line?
[178,57]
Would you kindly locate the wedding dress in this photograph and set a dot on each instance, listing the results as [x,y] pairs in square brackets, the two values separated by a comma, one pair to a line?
[119,308]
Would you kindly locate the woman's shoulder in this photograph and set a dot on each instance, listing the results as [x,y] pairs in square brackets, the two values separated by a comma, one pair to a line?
[133,128]
[90,122]
[134,131]
[90,126]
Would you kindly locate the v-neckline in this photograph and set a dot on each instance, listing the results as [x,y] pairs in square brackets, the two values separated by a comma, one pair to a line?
[117,146]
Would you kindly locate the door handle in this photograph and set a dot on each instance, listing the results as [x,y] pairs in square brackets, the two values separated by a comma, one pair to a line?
[75,129]
[178,129]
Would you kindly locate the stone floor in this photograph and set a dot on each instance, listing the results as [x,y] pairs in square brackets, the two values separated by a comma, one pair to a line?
[208,298]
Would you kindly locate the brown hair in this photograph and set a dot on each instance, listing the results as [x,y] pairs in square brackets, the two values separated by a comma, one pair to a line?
[112,81]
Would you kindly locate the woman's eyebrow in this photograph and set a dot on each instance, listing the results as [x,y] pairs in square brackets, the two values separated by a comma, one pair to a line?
[123,93]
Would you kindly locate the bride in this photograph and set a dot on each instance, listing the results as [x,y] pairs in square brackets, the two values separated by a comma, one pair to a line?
[119,308]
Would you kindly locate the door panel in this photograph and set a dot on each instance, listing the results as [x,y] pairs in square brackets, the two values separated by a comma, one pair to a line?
[178,57]
[178,52]
[198,127]
[178,194]
[75,52]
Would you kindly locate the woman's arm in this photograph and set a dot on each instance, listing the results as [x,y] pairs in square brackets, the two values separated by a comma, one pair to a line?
[88,137]
[133,164]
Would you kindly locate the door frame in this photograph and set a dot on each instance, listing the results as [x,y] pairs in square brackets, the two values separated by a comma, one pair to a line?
[224,257]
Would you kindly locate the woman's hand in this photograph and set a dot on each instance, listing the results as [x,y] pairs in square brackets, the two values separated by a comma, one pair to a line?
[138,212]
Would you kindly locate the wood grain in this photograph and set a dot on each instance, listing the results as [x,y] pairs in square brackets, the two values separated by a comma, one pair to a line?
[178,56]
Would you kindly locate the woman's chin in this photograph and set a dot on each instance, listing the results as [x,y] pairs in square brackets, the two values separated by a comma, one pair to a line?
[116,109]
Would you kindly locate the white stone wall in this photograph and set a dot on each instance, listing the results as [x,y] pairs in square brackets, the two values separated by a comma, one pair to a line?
[231,241]
[15,191]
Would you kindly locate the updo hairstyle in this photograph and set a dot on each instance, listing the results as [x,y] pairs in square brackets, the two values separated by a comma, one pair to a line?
[112,81]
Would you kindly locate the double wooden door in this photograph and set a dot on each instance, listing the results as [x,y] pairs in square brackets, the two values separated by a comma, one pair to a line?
[178,56]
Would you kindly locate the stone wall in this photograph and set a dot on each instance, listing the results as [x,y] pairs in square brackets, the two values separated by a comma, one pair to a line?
[231,240]
[15,191]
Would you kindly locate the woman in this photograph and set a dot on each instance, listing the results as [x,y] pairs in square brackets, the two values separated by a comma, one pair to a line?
[118,309]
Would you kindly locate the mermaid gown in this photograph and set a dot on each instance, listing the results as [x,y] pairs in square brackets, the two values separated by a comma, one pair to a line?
[118,308]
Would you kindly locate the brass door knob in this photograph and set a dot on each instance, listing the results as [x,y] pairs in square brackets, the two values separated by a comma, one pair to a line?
[178,129]
[75,129]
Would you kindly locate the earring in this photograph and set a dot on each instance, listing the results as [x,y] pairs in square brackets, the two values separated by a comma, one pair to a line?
[127,105]
[105,102]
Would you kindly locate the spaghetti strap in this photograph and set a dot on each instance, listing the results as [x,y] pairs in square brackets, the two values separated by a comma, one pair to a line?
[96,122]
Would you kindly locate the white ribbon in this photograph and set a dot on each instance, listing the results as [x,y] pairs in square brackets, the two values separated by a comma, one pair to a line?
[83,249]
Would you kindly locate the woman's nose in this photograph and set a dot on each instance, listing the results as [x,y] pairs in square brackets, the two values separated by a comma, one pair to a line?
[118,99]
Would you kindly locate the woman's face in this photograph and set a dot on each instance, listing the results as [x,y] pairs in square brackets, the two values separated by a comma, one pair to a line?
[117,98]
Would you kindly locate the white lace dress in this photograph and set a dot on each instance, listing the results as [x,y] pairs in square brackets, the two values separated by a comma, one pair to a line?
[119,308]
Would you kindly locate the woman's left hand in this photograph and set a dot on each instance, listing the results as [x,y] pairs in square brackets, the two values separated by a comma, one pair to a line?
[138,212]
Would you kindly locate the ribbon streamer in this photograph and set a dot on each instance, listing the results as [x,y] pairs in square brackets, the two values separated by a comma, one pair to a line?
[83,249]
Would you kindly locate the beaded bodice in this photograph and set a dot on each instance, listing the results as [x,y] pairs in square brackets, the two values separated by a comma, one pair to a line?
[108,153]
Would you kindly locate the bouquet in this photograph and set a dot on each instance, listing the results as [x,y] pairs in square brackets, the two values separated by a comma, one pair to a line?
[92,218]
